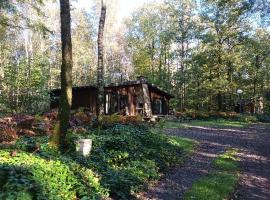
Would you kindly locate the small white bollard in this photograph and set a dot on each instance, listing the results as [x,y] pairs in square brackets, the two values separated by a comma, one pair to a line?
[84,146]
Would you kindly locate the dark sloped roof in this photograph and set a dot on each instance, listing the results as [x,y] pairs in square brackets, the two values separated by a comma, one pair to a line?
[77,88]
[137,82]
[123,84]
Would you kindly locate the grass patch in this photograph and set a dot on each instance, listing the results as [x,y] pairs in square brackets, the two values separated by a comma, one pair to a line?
[187,145]
[217,185]
[227,161]
[220,123]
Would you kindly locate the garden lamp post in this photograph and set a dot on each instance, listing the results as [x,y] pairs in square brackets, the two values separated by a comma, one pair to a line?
[240,92]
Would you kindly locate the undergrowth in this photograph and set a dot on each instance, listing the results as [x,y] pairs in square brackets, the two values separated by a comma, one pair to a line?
[124,158]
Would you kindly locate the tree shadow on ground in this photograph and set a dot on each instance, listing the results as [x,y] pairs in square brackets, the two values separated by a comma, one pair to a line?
[254,152]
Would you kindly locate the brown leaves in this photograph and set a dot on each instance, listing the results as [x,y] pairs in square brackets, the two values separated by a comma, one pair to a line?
[8,134]
[11,128]
[24,121]
[13,153]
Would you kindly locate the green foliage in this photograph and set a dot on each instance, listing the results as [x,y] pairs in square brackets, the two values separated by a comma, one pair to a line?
[29,92]
[128,156]
[125,157]
[109,120]
[37,177]
[248,118]
[263,118]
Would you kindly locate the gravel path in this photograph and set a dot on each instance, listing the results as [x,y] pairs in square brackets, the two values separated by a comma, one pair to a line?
[254,145]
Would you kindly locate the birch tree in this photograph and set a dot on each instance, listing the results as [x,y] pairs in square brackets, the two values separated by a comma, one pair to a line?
[100,70]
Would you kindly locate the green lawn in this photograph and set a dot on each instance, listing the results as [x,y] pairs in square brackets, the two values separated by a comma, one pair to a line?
[220,123]
[219,184]
[227,161]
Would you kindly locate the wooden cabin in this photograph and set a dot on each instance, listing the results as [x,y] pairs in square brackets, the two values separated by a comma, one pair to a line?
[128,98]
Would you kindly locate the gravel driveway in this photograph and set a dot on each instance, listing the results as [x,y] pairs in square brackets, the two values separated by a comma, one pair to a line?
[253,144]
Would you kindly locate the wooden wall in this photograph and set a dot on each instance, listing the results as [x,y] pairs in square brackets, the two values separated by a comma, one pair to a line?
[81,97]
[132,92]
[115,96]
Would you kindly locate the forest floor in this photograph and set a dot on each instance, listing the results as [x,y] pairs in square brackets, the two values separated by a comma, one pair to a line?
[253,144]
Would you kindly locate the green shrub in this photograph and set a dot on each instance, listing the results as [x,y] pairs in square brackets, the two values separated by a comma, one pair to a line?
[34,177]
[161,123]
[248,118]
[127,156]
[109,119]
[202,115]
[263,118]
[217,114]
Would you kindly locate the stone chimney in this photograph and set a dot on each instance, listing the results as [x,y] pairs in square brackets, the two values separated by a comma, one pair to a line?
[141,78]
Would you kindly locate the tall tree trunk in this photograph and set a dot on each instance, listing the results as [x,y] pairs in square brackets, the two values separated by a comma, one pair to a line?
[152,59]
[100,73]
[257,66]
[59,137]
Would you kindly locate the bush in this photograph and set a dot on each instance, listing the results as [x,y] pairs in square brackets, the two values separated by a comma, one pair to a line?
[248,118]
[263,118]
[233,115]
[202,115]
[191,114]
[131,119]
[127,156]
[109,120]
[217,114]
[34,177]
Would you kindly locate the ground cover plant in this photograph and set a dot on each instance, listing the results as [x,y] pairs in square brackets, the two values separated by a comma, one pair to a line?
[45,174]
[220,183]
[124,158]
[128,156]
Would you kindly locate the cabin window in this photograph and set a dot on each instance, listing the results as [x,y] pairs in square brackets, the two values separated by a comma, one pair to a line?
[139,104]
[116,103]
[124,104]
[107,104]
[157,106]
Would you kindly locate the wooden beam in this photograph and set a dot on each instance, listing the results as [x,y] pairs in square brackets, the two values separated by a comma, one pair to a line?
[147,102]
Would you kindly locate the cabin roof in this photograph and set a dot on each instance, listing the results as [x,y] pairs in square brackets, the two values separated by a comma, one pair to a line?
[124,84]
[138,82]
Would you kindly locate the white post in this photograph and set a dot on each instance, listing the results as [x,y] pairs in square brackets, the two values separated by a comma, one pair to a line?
[84,146]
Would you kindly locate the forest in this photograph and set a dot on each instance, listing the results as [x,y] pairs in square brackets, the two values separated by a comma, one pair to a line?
[200,51]
[122,99]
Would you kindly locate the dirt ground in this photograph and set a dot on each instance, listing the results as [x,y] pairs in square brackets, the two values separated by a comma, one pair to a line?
[253,144]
